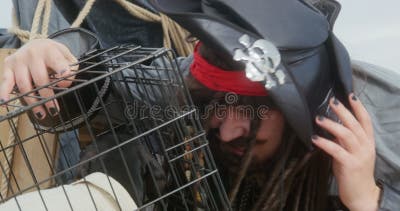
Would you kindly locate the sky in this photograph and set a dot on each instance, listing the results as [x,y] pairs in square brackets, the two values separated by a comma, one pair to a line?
[370,29]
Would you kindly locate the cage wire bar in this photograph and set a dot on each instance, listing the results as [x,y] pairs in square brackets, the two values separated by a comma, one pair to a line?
[130,112]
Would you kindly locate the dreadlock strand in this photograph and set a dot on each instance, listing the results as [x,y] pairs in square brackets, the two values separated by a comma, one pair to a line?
[287,184]
[267,190]
[296,169]
[244,196]
[278,170]
[314,189]
[302,165]
[321,177]
[243,169]
[308,200]
[291,179]
[255,124]
[299,191]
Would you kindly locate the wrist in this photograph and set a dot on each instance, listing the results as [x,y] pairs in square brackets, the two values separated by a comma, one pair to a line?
[369,203]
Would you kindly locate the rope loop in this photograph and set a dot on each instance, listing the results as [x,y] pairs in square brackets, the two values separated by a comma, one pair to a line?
[174,35]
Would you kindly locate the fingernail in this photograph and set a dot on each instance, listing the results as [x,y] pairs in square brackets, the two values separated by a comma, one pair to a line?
[53,111]
[314,137]
[335,101]
[320,118]
[354,97]
[39,115]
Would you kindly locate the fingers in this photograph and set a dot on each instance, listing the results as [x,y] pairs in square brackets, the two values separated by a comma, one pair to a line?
[362,115]
[69,56]
[72,65]
[6,84]
[348,119]
[40,77]
[24,83]
[31,63]
[59,64]
[332,148]
[353,156]
[344,136]
[356,129]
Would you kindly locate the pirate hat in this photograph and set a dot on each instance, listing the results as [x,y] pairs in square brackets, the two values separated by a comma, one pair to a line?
[287,45]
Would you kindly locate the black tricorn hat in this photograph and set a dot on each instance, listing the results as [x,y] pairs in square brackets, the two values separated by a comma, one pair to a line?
[287,45]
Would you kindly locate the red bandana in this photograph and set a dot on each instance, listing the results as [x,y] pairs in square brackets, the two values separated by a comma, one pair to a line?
[218,79]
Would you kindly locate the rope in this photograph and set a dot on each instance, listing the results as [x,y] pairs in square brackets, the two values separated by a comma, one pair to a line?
[22,34]
[46,18]
[174,35]
[82,15]
[139,12]
[36,19]
[9,153]
[173,32]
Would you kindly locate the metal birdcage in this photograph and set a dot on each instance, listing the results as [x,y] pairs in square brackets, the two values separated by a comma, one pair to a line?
[129,111]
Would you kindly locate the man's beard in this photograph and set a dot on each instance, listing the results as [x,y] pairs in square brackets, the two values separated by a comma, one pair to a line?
[229,161]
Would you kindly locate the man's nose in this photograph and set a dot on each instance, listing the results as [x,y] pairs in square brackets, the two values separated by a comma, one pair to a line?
[233,127]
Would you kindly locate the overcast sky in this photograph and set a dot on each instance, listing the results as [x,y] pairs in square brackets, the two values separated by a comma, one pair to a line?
[370,29]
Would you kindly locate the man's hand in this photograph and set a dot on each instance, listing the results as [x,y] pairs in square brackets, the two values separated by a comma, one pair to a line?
[353,152]
[29,67]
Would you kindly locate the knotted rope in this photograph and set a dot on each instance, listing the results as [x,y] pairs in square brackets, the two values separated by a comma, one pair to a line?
[174,35]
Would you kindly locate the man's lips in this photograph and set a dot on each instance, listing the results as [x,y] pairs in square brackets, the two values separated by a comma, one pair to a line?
[239,151]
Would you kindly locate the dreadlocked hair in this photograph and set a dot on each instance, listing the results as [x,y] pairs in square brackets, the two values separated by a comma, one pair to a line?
[299,179]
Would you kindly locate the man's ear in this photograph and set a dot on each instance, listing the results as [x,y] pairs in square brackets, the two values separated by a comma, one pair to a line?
[330,8]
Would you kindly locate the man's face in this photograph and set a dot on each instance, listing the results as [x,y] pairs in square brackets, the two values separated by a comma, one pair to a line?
[229,137]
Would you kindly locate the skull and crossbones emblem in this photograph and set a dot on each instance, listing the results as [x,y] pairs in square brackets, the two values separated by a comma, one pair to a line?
[262,59]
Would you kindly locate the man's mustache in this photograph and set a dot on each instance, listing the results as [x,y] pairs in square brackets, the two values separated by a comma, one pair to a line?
[240,142]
